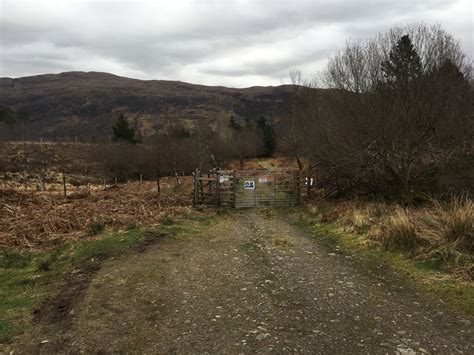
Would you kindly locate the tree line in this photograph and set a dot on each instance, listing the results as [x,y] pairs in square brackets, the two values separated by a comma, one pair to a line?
[177,148]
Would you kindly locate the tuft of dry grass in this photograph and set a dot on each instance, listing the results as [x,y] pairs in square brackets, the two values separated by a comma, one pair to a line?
[360,217]
[451,223]
[450,231]
[440,233]
[398,231]
[283,242]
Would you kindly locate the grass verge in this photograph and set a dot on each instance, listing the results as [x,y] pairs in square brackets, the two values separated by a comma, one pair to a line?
[29,280]
[427,276]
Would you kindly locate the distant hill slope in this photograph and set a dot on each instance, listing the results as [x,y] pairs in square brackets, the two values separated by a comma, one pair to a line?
[80,104]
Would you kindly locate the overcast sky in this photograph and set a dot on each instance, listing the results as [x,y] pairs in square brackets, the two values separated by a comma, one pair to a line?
[231,43]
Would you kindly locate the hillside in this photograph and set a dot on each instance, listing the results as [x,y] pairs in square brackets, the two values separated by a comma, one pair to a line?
[86,104]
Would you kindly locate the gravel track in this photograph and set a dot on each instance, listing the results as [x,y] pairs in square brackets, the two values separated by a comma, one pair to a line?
[252,282]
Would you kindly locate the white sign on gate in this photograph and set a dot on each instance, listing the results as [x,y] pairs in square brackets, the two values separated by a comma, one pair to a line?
[249,185]
[262,179]
[223,178]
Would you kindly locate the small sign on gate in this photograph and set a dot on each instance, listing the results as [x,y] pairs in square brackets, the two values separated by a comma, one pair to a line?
[263,179]
[249,185]
[223,178]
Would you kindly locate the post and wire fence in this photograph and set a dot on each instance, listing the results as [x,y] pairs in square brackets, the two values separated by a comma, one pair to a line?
[221,188]
[65,182]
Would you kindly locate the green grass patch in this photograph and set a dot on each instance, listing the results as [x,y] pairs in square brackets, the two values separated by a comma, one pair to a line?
[27,280]
[13,259]
[166,220]
[428,275]
[95,227]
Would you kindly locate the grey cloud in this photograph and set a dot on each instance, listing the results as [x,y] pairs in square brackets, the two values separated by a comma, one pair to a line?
[266,68]
[220,42]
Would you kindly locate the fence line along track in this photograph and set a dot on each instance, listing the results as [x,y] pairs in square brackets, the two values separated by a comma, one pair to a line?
[61,181]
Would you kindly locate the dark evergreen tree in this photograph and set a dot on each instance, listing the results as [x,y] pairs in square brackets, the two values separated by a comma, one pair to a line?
[404,65]
[268,136]
[234,124]
[7,115]
[449,73]
[23,115]
[180,132]
[123,132]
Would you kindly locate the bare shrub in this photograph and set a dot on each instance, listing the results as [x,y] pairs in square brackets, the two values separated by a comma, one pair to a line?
[296,132]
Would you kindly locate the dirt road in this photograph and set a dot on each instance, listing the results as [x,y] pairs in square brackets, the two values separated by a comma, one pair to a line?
[252,282]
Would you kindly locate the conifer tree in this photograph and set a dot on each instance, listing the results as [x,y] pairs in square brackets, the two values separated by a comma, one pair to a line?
[234,124]
[123,132]
[268,136]
[404,65]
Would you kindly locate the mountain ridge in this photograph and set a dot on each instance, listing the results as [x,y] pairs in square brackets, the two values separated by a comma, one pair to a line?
[93,72]
[85,104]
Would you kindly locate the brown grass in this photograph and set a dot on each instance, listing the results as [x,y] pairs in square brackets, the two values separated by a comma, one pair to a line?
[360,217]
[35,220]
[399,232]
[283,242]
[452,223]
[439,233]
[265,163]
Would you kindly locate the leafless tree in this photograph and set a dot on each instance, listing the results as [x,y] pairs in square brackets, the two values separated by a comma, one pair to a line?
[388,134]
[119,160]
[202,142]
[241,141]
[291,132]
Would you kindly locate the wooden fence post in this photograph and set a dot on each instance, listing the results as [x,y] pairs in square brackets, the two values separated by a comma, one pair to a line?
[195,188]
[178,181]
[200,186]
[64,184]
[274,186]
[41,183]
[234,187]
[218,183]
[158,188]
[193,175]
[297,186]
[308,185]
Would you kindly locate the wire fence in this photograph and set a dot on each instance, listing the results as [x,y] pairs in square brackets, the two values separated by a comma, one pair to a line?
[62,181]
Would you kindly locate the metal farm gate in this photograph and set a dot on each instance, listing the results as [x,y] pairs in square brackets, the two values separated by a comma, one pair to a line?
[247,188]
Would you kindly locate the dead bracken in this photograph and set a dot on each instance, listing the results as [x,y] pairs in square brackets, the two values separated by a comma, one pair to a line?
[34,220]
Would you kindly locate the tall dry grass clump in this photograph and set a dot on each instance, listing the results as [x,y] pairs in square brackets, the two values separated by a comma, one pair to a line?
[442,233]
[450,231]
[399,232]
[361,217]
[452,223]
